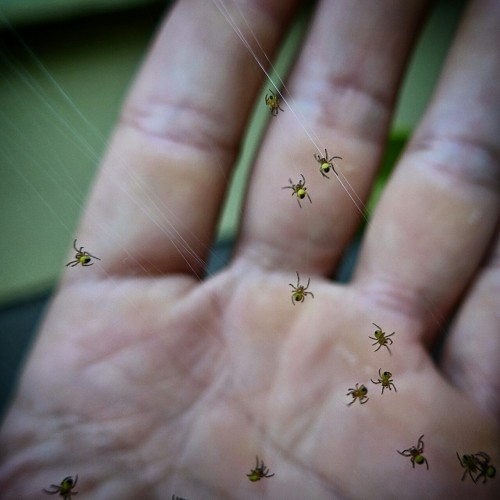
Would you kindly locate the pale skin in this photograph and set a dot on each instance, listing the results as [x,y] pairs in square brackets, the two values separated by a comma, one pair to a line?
[146,380]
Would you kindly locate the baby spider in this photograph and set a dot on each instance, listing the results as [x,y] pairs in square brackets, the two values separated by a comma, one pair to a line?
[358,393]
[381,338]
[415,453]
[299,292]
[81,257]
[64,489]
[273,103]
[470,464]
[299,189]
[386,380]
[259,472]
[326,164]
[480,463]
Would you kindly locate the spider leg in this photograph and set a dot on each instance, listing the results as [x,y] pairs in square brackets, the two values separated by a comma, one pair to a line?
[332,163]
[420,443]
[52,492]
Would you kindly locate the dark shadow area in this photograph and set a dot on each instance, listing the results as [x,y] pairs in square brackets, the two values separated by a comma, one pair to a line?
[18,323]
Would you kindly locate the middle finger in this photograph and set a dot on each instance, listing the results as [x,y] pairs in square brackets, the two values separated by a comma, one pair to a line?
[343,87]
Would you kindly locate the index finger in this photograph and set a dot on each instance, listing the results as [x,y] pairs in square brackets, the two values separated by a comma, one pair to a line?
[157,198]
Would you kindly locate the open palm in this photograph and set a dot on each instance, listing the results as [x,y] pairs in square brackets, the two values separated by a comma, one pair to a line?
[147,381]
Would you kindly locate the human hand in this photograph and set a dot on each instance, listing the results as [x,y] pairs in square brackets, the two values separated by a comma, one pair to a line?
[148,381]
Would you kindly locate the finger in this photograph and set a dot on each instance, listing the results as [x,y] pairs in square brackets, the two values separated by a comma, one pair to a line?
[472,350]
[341,95]
[156,201]
[439,212]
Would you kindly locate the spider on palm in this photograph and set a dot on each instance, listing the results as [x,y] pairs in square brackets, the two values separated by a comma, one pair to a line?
[358,393]
[259,472]
[299,291]
[64,488]
[416,453]
[386,380]
[381,338]
[478,463]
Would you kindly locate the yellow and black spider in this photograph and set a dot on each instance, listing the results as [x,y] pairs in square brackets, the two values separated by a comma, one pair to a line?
[478,463]
[386,380]
[259,472]
[325,163]
[299,291]
[81,257]
[299,189]
[65,488]
[273,103]
[358,393]
[381,338]
[416,453]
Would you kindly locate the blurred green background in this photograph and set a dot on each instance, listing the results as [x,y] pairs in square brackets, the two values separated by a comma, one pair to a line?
[64,71]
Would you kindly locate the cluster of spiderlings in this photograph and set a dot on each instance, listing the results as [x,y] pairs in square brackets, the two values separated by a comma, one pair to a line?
[478,464]
[385,378]
[259,472]
[416,453]
[65,488]
[360,391]
[81,257]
